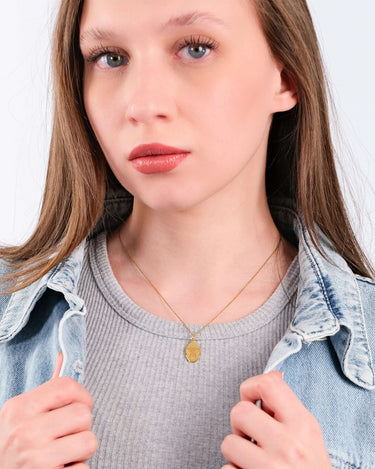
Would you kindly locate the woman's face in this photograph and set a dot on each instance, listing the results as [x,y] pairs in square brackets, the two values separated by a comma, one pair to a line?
[205,83]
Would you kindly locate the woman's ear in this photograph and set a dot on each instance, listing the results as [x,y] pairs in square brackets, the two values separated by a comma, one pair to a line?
[286,95]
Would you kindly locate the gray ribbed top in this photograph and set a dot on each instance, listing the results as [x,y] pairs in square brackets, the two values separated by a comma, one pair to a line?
[152,408]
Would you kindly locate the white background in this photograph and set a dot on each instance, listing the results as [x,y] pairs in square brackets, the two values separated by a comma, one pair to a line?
[346,33]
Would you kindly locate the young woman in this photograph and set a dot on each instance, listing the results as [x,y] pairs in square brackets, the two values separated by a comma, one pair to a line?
[193,294]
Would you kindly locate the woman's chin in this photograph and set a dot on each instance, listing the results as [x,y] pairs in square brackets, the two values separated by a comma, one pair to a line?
[169,202]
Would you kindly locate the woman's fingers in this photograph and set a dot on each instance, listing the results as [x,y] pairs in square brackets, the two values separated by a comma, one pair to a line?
[53,394]
[286,433]
[242,453]
[277,399]
[73,418]
[49,426]
[249,421]
[77,447]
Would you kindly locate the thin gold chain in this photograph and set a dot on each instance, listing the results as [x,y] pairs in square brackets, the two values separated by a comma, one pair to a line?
[170,307]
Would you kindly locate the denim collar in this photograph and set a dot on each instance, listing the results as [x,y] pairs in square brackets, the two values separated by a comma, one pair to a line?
[329,302]
[328,299]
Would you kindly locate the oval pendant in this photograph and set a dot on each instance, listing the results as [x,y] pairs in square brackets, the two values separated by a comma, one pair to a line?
[192,351]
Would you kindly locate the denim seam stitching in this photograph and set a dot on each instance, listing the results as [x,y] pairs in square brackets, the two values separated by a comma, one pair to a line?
[311,259]
[364,279]
[364,331]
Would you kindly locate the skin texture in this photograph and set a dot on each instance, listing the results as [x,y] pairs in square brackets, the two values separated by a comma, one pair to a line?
[285,432]
[165,95]
[48,427]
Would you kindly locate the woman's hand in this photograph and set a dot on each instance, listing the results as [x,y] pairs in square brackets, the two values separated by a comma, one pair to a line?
[48,427]
[286,434]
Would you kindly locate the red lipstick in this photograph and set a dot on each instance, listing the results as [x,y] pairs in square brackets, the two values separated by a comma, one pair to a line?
[156,158]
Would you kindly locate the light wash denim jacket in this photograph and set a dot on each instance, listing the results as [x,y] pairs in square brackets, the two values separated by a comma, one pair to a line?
[326,354]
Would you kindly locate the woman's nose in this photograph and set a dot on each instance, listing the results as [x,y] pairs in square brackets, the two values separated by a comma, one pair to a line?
[148,94]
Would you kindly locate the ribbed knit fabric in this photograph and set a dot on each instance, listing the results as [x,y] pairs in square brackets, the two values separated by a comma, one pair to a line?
[152,408]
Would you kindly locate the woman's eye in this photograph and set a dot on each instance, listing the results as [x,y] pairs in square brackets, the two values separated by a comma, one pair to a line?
[111,60]
[197,48]
[196,51]
[190,48]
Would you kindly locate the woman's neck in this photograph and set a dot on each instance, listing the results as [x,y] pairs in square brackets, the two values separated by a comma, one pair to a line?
[199,260]
[200,245]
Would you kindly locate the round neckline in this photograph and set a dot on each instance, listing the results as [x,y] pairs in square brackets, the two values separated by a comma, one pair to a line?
[117,298]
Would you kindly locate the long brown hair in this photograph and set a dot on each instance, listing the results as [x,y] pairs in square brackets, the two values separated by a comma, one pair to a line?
[300,161]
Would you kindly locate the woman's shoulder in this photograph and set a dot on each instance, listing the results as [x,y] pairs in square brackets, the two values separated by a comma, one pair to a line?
[366,280]
[367,290]
[61,279]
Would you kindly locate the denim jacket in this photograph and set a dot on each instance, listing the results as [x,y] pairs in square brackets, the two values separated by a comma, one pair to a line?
[326,353]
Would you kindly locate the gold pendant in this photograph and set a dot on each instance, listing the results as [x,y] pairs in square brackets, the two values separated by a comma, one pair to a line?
[192,351]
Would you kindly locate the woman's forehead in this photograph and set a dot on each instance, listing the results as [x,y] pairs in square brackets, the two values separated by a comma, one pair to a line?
[165,14]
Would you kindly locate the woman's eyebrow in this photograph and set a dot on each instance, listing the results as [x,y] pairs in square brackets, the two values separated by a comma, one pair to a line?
[175,21]
[191,18]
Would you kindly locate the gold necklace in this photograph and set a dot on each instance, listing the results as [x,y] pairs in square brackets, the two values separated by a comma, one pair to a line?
[192,350]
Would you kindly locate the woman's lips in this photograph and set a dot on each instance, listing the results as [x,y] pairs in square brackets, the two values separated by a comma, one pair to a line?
[156,158]
[158,163]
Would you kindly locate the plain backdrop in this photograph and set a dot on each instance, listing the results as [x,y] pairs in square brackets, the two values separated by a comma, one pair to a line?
[346,33]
